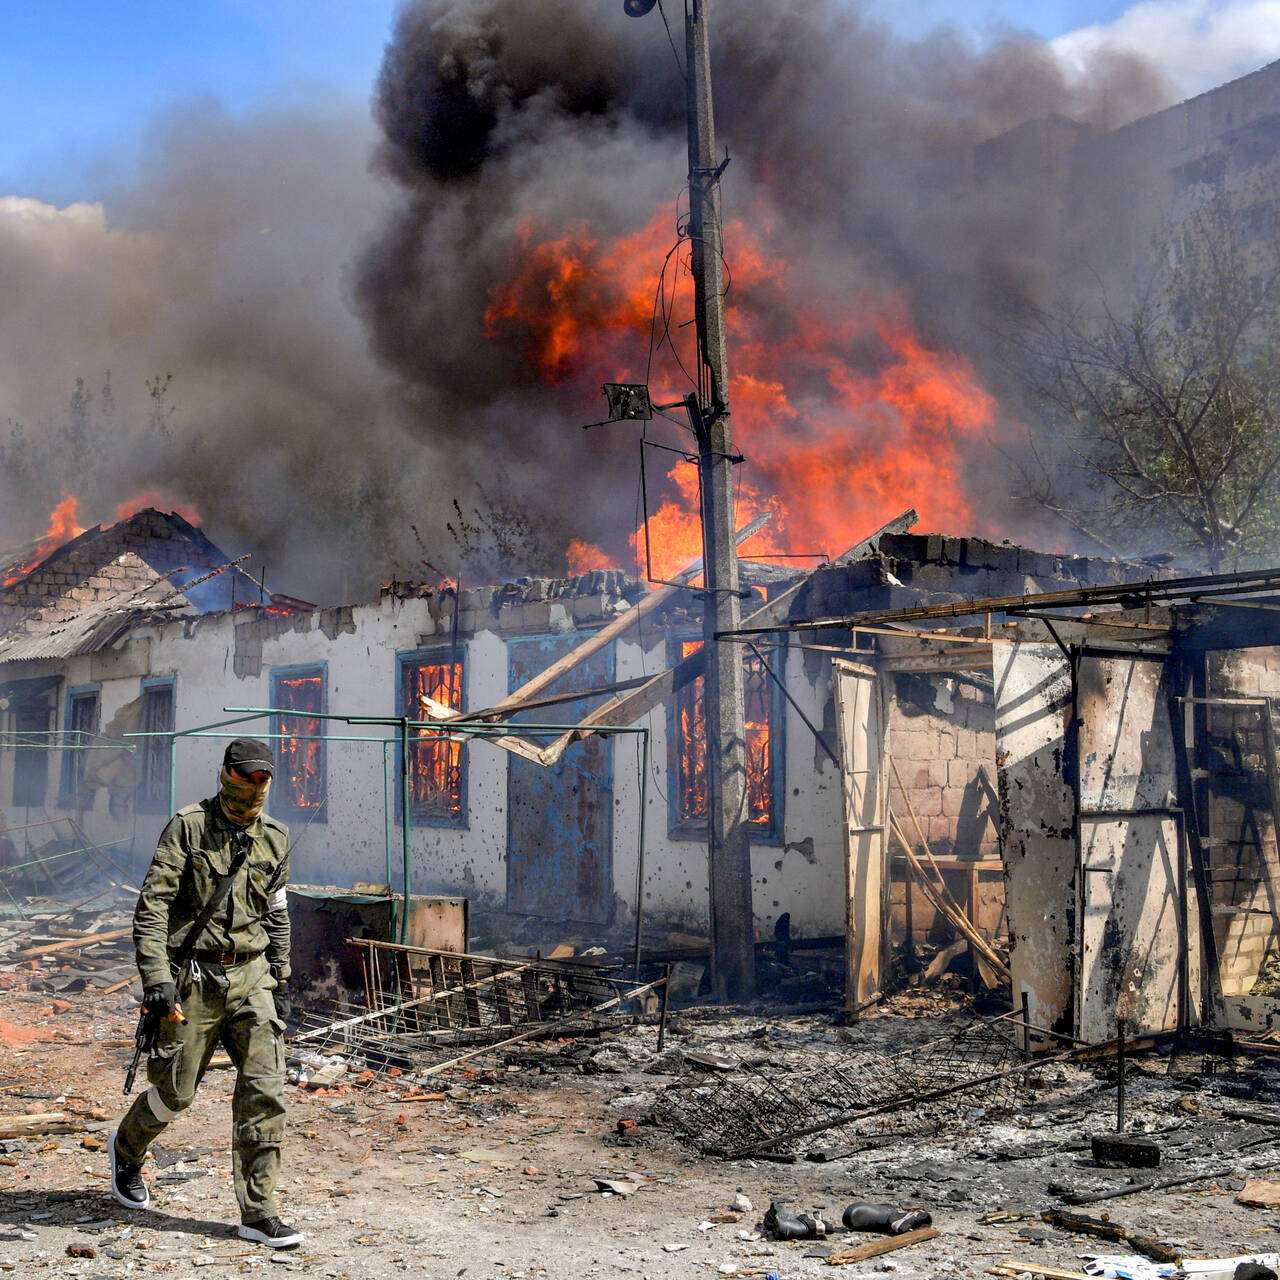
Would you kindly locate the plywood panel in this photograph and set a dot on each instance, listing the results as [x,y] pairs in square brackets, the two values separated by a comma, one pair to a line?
[859,701]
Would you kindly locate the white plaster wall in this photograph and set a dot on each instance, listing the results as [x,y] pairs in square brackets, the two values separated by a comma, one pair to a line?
[802,873]
[808,881]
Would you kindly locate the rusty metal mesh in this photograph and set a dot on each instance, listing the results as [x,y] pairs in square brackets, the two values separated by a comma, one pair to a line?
[777,1105]
[421,1005]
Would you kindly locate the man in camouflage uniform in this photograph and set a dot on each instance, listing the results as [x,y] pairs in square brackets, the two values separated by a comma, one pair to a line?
[233,990]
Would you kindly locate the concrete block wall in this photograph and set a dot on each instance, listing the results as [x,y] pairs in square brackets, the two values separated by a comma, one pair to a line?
[939,753]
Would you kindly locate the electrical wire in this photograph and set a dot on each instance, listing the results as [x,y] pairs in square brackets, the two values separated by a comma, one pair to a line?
[671,41]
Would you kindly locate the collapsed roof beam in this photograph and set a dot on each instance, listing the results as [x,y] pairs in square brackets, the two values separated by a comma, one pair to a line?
[1149,591]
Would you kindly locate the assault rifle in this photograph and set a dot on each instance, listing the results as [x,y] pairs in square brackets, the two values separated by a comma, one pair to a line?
[148,1029]
[144,1042]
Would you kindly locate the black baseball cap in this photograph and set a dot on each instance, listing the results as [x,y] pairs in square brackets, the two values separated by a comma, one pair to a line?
[248,755]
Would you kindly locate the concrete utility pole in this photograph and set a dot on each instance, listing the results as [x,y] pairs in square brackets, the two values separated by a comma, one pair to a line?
[729,850]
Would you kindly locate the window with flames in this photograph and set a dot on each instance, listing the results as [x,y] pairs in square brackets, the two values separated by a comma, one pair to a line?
[689,750]
[299,783]
[437,767]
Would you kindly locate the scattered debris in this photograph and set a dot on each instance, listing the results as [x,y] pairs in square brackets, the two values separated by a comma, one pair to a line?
[1120,1150]
[1259,1194]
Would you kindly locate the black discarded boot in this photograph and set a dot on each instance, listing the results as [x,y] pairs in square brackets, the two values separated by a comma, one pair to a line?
[861,1216]
[782,1224]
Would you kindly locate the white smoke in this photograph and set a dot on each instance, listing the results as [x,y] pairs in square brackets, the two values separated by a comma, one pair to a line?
[1197,43]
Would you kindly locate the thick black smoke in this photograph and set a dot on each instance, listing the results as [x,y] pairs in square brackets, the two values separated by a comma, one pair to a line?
[856,144]
[204,304]
[291,305]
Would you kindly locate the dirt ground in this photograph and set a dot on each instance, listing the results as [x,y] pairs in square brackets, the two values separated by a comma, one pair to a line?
[499,1178]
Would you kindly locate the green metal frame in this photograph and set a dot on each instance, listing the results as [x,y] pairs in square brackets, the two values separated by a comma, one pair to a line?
[481,729]
[64,740]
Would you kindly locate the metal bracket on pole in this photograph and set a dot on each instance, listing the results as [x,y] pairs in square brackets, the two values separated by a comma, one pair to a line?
[707,177]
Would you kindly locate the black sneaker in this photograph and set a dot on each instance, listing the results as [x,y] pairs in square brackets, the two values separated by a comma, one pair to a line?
[126,1180]
[271,1232]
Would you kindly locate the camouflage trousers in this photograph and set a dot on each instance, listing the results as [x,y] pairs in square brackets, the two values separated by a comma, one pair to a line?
[232,1007]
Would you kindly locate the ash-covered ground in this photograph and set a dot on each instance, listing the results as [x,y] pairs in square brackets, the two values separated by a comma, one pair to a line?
[492,1170]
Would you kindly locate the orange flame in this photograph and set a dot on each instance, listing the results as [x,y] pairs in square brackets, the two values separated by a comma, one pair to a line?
[585,556]
[301,748]
[161,501]
[63,526]
[844,414]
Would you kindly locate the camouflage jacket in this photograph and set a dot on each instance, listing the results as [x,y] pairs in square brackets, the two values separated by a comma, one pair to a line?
[195,851]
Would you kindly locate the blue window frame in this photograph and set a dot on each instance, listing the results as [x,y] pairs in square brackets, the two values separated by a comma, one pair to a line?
[81,721]
[32,716]
[155,754]
[687,751]
[298,789]
[437,768]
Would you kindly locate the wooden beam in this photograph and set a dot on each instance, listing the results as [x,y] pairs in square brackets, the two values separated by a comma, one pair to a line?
[618,712]
[71,944]
[977,658]
[877,1247]
[575,657]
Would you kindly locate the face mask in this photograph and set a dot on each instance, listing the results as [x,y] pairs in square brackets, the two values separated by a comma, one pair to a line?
[242,799]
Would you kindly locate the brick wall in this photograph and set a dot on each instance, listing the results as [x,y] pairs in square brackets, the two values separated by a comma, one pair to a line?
[102,564]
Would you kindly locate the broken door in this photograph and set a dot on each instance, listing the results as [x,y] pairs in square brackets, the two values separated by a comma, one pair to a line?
[1091,838]
[1133,884]
[860,713]
[560,818]
[1037,827]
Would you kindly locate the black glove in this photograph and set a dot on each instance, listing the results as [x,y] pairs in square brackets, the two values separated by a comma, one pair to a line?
[284,1006]
[160,999]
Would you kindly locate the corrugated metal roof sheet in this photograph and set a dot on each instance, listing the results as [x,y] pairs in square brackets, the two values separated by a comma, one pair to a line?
[93,628]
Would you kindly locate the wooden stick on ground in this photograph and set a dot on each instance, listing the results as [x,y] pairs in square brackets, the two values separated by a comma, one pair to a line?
[877,1247]
[957,918]
[1035,1269]
[25,1126]
[71,944]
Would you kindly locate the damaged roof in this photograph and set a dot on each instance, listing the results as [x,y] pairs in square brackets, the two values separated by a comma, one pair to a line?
[95,627]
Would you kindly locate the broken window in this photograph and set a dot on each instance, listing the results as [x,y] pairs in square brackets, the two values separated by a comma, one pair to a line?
[82,728]
[31,719]
[688,739]
[155,754]
[299,784]
[437,768]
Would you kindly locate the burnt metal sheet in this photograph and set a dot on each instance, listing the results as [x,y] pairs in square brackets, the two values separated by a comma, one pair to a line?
[1131,934]
[560,818]
[1131,941]
[324,918]
[1037,839]
[1126,739]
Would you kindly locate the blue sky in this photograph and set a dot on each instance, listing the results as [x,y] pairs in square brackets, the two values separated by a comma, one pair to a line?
[80,75]
[83,78]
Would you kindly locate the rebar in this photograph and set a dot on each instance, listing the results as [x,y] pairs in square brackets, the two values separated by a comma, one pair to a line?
[760,1105]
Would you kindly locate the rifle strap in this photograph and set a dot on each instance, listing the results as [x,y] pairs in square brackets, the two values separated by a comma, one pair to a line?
[220,891]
